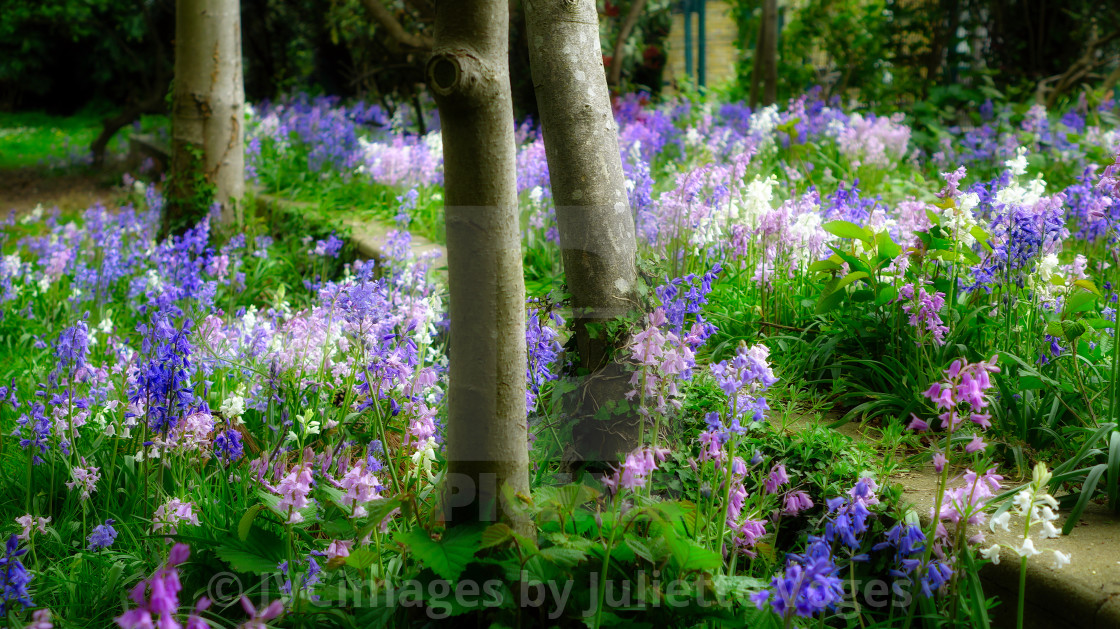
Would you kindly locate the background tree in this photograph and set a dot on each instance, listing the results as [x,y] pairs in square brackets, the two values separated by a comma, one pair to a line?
[764,79]
[63,55]
[592,208]
[207,149]
[487,439]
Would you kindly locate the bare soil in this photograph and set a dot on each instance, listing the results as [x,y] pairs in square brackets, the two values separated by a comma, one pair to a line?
[23,189]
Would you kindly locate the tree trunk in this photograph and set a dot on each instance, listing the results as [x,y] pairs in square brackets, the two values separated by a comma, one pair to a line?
[487,441]
[769,57]
[207,140]
[592,209]
[153,104]
[614,77]
[764,75]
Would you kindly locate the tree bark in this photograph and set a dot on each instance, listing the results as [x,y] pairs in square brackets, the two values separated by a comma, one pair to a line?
[207,140]
[592,209]
[766,57]
[394,29]
[153,104]
[764,75]
[487,441]
[615,74]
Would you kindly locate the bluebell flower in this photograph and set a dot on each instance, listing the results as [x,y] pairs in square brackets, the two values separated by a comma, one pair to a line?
[809,585]
[228,446]
[102,536]
[14,578]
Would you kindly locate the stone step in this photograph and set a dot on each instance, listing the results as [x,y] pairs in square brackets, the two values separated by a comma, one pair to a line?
[1084,594]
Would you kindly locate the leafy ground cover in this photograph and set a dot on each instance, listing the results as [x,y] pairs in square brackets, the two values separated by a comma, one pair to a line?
[32,139]
[236,429]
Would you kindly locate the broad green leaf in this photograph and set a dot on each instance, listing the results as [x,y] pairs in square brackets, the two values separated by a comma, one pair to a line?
[640,549]
[260,552]
[849,278]
[450,555]
[361,558]
[688,556]
[1080,302]
[378,510]
[496,534]
[981,236]
[828,301]
[1098,324]
[736,588]
[1072,330]
[888,248]
[856,264]
[1089,286]
[846,229]
[824,266]
[863,295]
[886,295]
[563,557]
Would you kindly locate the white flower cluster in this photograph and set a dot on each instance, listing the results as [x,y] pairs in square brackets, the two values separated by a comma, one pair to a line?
[1037,507]
[958,219]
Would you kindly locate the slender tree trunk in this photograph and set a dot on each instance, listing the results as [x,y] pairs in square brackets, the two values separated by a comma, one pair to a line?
[615,74]
[769,57]
[765,56]
[592,209]
[487,442]
[207,142]
[152,104]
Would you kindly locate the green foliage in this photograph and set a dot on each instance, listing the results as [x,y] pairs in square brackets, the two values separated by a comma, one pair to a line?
[190,193]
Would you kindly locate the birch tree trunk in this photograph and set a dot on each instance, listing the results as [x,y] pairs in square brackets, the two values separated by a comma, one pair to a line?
[592,209]
[207,143]
[487,446]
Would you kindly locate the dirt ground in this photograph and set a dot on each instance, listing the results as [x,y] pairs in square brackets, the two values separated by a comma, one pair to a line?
[21,190]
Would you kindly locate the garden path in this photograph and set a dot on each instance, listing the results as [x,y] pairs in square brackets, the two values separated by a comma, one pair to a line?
[1084,594]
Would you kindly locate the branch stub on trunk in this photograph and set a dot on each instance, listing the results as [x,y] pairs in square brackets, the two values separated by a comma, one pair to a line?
[455,72]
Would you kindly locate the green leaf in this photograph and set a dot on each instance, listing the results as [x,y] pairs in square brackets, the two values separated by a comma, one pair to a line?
[856,264]
[640,549]
[886,295]
[824,266]
[247,522]
[736,588]
[378,510]
[450,555]
[1113,478]
[1087,491]
[1098,324]
[828,301]
[888,248]
[849,278]
[845,229]
[260,552]
[1072,330]
[688,556]
[361,558]
[1089,286]
[863,295]
[981,236]
[1080,302]
[563,557]
[496,534]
